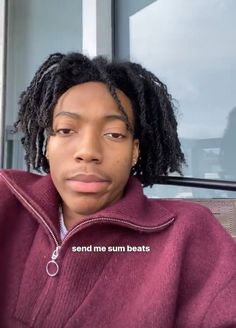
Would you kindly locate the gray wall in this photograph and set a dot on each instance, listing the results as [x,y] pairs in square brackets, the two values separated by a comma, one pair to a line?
[36,28]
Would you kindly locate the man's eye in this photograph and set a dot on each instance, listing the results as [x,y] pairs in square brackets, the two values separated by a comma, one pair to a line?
[64,132]
[115,135]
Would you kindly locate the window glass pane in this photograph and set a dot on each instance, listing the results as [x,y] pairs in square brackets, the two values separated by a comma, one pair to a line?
[171,191]
[191,46]
[35,30]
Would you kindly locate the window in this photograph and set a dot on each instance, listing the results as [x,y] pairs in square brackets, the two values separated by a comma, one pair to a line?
[191,46]
[35,30]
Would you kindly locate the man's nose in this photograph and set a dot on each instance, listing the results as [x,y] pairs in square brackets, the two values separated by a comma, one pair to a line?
[88,149]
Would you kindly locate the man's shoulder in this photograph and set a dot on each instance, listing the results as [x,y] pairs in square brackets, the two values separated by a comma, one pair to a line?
[197,221]
[22,181]
[18,177]
[192,217]
[28,188]
[183,207]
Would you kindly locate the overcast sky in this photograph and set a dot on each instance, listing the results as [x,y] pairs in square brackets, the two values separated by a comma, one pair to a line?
[191,46]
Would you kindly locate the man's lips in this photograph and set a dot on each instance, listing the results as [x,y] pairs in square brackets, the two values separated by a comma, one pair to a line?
[87,183]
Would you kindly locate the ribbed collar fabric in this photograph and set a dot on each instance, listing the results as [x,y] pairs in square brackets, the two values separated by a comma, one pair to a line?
[63,229]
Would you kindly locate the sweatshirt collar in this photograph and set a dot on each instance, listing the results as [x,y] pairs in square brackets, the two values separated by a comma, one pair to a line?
[134,210]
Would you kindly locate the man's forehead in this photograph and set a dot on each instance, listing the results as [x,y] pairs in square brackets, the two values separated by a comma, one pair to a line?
[89,90]
[95,95]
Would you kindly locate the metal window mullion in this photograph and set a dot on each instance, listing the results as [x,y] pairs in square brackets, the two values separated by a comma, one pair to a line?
[197,183]
[97,28]
[3,59]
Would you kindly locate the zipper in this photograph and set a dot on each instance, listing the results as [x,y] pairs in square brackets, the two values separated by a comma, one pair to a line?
[52,267]
[125,223]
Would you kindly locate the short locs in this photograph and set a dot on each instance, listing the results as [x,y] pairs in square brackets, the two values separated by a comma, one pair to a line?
[155,122]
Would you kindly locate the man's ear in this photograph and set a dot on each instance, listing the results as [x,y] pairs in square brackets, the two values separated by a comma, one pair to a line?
[135,152]
[46,146]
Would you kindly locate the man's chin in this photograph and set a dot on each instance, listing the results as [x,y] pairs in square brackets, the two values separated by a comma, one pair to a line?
[88,204]
[86,208]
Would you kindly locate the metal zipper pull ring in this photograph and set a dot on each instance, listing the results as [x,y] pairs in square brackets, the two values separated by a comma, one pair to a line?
[53,271]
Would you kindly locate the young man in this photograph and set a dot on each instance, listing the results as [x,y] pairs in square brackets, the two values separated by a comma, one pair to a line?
[82,246]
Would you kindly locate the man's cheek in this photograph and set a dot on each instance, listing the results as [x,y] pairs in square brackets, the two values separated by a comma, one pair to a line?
[124,163]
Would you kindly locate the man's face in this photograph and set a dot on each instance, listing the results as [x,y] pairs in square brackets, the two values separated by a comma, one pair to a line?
[91,152]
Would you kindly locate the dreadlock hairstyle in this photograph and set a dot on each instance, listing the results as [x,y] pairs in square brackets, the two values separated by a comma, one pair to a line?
[155,123]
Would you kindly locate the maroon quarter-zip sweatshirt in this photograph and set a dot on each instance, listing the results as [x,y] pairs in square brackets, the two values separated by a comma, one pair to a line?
[139,263]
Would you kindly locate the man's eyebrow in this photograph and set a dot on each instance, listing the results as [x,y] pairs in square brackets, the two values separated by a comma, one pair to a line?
[109,117]
[70,114]
[113,117]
